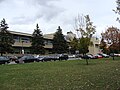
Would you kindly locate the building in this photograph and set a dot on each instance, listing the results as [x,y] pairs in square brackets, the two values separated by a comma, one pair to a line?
[94,49]
[70,36]
[23,42]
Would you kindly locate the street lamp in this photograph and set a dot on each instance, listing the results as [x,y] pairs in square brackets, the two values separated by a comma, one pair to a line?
[69,49]
[22,48]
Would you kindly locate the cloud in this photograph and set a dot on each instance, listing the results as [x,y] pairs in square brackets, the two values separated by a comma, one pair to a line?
[47,9]
[22,20]
[1,1]
[42,2]
[34,10]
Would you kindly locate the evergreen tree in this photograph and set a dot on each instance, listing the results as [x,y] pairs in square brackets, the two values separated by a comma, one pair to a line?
[59,43]
[6,39]
[37,42]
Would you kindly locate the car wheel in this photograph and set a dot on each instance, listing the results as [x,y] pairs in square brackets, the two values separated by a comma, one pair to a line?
[6,62]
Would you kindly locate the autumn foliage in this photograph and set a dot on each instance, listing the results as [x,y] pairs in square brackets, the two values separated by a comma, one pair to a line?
[112,39]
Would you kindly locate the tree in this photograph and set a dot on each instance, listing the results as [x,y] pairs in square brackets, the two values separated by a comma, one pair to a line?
[117,11]
[86,29]
[37,45]
[73,45]
[59,43]
[85,26]
[83,45]
[112,37]
[6,38]
[103,46]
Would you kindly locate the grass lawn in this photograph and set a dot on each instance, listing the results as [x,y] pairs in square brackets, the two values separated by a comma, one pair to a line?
[100,74]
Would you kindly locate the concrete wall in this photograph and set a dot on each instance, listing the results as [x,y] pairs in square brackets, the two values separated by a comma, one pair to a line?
[94,49]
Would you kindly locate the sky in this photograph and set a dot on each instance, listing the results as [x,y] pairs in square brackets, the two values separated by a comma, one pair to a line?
[23,15]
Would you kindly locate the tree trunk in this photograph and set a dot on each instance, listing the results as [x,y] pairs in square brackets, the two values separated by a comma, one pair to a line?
[86,59]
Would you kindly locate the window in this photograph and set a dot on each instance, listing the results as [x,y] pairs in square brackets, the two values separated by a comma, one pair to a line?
[16,38]
[48,42]
[25,39]
[96,45]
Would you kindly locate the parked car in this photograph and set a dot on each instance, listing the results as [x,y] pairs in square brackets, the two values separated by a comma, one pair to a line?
[54,57]
[26,59]
[89,56]
[40,58]
[44,58]
[114,54]
[63,57]
[103,55]
[92,56]
[98,56]
[4,60]
[72,56]
[59,57]
[13,58]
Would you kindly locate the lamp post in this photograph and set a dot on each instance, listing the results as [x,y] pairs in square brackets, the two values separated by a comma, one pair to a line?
[69,49]
[22,48]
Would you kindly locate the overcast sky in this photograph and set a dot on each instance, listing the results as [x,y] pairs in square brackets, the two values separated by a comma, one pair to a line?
[22,15]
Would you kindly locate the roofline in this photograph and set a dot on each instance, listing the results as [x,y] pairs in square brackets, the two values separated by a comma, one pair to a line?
[20,33]
[27,34]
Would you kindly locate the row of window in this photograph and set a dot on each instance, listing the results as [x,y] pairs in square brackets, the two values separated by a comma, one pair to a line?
[27,40]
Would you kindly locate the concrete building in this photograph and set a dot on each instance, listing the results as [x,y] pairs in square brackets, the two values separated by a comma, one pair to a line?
[94,49]
[70,36]
[23,42]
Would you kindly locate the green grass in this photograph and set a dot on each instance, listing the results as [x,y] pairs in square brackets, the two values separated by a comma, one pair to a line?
[100,74]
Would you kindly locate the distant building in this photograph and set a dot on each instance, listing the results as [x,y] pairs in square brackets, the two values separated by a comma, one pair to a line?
[94,49]
[70,36]
[23,42]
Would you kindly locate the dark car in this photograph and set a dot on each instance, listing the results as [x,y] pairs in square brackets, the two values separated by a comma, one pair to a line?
[26,59]
[55,57]
[44,58]
[4,60]
[63,57]
[89,56]
[40,58]
[86,56]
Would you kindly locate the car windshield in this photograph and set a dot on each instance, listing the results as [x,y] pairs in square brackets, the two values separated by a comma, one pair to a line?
[3,58]
[41,57]
[105,54]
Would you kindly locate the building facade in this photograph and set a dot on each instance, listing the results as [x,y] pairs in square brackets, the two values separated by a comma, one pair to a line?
[23,42]
[95,48]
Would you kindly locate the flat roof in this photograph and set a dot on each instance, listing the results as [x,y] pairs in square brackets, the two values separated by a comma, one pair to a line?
[46,36]
[20,33]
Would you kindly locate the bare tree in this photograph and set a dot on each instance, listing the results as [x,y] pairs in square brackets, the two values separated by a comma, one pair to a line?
[85,30]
